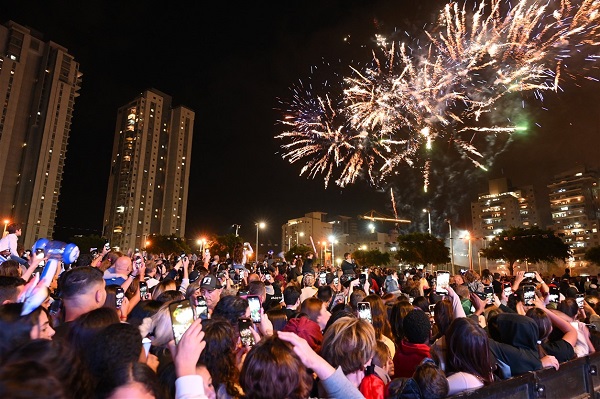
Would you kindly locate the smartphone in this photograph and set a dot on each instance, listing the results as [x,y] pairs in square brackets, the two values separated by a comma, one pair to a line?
[336,280]
[529,295]
[268,277]
[201,308]
[489,294]
[431,309]
[529,275]
[182,316]
[255,305]
[442,281]
[579,300]
[119,295]
[362,278]
[554,295]
[241,274]
[245,328]
[323,279]
[364,311]
[507,289]
[143,290]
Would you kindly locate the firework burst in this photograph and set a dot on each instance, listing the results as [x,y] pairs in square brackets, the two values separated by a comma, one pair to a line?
[394,111]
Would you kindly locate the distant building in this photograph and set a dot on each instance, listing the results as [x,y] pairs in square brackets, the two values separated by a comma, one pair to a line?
[149,171]
[349,234]
[39,82]
[503,207]
[575,207]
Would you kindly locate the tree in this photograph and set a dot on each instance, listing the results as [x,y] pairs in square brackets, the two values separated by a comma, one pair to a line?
[531,244]
[301,250]
[422,248]
[223,245]
[371,258]
[167,245]
[86,242]
[593,255]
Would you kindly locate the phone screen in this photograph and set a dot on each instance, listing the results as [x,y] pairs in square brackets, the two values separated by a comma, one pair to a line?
[364,311]
[336,280]
[529,275]
[431,309]
[182,316]
[554,295]
[322,279]
[529,295]
[442,281]
[254,303]
[143,290]
[244,326]
[489,294]
[507,290]
[579,300]
[201,308]
[119,295]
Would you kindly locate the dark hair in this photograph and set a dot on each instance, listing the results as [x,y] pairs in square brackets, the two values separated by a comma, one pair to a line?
[10,268]
[127,373]
[278,318]
[60,360]
[569,307]
[141,310]
[291,294]
[257,288]
[468,349]
[13,227]
[29,380]
[325,293]
[379,316]
[417,327]
[78,280]
[170,295]
[397,315]
[431,380]
[272,370]
[357,296]
[219,354]
[340,310]
[443,314]
[422,303]
[231,307]
[84,328]
[9,288]
[312,308]
[15,330]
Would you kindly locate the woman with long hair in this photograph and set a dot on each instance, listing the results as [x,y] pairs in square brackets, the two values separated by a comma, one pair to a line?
[469,362]
[380,322]
[397,315]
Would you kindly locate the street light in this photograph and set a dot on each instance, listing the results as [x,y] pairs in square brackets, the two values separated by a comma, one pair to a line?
[429,218]
[259,225]
[372,227]
[6,222]
[451,244]
[332,241]
[301,235]
[468,237]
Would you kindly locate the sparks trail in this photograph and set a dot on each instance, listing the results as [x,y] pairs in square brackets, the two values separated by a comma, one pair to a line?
[393,111]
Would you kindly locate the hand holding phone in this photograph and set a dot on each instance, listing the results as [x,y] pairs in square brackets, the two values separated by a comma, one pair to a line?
[255,307]
[119,295]
[143,290]
[245,326]
[529,295]
[182,317]
[364,311]
[580,299]
[442,281]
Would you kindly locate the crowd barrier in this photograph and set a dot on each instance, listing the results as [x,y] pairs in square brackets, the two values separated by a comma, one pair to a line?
[575,379]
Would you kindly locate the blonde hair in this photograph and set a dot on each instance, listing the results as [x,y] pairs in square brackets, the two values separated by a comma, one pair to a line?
[161,326]
[349,343]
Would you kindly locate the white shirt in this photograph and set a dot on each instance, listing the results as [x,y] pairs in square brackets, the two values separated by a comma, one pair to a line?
[9,242]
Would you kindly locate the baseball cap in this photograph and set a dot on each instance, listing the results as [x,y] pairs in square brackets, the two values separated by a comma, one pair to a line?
[210,282]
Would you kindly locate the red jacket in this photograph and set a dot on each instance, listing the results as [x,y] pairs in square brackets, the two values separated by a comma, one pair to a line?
[408,357]
[373,387]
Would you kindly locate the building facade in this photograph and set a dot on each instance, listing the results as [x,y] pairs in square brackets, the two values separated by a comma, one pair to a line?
[149,171]
[503,207]
[575,206]
[39,82]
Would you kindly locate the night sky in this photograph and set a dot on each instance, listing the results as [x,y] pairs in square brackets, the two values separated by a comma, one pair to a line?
[232,64]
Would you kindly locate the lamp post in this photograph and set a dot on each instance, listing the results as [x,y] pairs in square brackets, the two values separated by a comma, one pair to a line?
[301,234]
[6,222]
[451,244]
[259,225]
[332,241]
[468,237]
[429,218]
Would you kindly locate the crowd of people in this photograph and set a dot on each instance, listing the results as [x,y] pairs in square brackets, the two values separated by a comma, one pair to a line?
[140,325]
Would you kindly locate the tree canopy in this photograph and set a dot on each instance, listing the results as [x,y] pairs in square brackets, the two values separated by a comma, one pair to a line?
[371,258]
[593,255]
[422,248]
[531,244]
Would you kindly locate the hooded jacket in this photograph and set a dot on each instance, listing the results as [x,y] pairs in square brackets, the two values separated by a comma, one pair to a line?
[390,284]
[514,342]
[408,357]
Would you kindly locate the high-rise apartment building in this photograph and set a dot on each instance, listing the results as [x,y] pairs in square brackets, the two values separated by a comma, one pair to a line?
[39,82]
[299,231]
[503,207]
[575,206]
[149,171]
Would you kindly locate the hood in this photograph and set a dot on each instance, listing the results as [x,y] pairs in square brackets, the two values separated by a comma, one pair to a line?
[516,330]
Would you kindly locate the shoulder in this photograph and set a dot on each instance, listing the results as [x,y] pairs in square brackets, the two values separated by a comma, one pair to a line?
[461,381]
